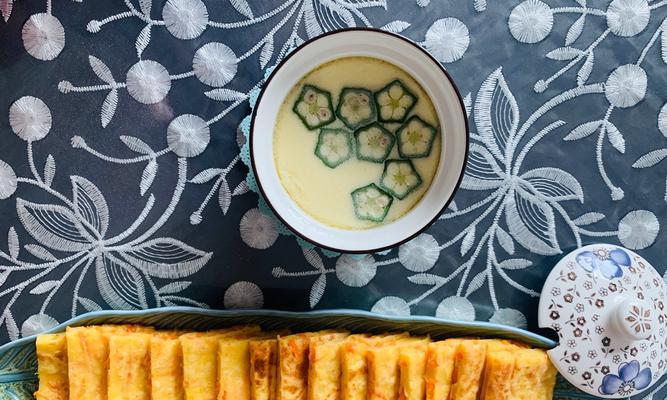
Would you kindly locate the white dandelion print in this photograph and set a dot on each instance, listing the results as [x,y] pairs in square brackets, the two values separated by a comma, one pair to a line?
[531,21]
[257,229]
[188,135]
[420,254]
[509,317]
[30,118]
[43,36]
[456,308]
[243,295]
[447,39]
[628,17]
[36,324]
[638,229]
[626,86]
[214,64]
[185,19]
[391,305]
[148,82]
[355,271]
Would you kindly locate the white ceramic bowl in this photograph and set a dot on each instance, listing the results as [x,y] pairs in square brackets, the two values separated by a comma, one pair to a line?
[425,70]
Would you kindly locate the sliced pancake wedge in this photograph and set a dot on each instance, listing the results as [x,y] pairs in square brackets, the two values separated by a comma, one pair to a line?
[52,367]
[383,369]
[412,367]
[166,366]
[129,367]
[440,360]
[263,368]
[324,366]
[534,376]
[468,369]
[498,370]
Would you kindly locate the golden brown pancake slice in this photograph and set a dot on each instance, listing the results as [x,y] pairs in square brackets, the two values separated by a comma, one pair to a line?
[534,376]
[440,359]
[324,366]
[166,366]
[498,370]
[200,360]
[354,363]
[412,365]
[263,368]
[383,369]
[129,367]
[52,367]
[88,358]
[468,368]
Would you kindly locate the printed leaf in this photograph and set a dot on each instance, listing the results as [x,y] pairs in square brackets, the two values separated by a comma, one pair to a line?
[650,159]
[101,70]
[555,184]
[585,70]
[482,171]
[564,53]
[452,206]
[531,222]
[206,175]
[266,54]
[396,26]
[224,197]
[89,305]
[136,145]
[3,277]
[317,291]
[119,283]
[13,243]
[313,28]
[515,263]
[505,240]
[109,107]
[476,283]
[143,40]
[314,259]
[615,137]
[426,279]
[90,204]
[44,287]
[10,323]
[174,287]
[583,130]
[243,7]
[480,5]
[148,176]
[575,30]
[225,95]
[496,114]
[53,226]
[467,103]
[468,240]
[242,188]
[331,15]
[145,7]
[588,218]
[167,258]
[39,252]
[49,170]
[6,9]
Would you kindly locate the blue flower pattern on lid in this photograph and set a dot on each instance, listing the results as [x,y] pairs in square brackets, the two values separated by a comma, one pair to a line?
[629,379]
[608,262]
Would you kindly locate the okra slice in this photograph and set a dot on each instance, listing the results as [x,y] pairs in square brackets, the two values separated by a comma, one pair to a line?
[394,102]
[415,138]
[314,107]
[334,146]
[356,107]
[399,178]
[373,143]
[371,203]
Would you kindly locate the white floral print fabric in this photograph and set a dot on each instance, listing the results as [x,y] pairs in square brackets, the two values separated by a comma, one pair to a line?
[121,186]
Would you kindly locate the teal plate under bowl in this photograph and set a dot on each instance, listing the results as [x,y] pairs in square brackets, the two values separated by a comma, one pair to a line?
[18,361]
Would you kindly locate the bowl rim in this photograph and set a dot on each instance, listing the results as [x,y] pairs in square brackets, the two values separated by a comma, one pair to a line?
[272,75]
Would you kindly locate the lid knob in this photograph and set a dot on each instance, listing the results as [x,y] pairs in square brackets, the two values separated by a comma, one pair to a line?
[635,319]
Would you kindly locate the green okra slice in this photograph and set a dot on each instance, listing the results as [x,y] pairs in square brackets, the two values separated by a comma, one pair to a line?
[394,102]
[415,138]
[334,146]
[399,178]
[314,107]
[356,107]
[371,203]
[373,143]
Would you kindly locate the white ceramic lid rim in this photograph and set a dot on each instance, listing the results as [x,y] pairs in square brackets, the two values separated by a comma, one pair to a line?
[454,147]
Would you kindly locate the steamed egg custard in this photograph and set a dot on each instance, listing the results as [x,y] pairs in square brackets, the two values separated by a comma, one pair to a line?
[356,143]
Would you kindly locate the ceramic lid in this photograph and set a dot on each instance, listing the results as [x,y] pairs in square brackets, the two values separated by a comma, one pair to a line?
[609,307]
